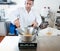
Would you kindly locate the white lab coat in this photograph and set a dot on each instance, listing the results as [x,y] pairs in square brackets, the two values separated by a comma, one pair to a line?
[26,18]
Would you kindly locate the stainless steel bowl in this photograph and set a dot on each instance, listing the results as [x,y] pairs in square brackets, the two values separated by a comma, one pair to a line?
[28,38]
[28,35]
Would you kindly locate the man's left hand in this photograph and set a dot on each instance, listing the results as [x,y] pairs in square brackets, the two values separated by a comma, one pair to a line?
[34,24]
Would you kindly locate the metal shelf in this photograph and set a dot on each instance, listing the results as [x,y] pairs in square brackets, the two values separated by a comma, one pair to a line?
[5,3]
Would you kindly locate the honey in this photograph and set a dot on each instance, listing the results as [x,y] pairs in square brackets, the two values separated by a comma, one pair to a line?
[28,35]
[48,33]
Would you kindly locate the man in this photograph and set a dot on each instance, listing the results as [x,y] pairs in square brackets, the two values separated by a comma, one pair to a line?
[27,16]
[23,17]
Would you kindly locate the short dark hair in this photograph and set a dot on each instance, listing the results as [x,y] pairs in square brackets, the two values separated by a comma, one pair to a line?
[31,0]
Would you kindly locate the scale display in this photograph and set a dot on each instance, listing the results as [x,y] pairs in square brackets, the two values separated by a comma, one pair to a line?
[27,45]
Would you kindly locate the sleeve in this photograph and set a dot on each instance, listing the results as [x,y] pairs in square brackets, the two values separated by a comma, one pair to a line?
[38,18]
[21,22]
[13,15]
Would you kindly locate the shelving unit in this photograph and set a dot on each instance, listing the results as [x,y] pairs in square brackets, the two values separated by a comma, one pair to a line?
[6,3]
[3,7]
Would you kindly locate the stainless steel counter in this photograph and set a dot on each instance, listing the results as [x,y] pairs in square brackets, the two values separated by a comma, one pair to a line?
[46,43]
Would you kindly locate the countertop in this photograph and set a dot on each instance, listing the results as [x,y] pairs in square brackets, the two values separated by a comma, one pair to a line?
[45,43]
[53,31]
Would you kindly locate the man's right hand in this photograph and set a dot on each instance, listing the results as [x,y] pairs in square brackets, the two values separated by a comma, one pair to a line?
[17,23]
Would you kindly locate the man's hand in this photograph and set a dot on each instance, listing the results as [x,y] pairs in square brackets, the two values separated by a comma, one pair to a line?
[34,24]
[17,23]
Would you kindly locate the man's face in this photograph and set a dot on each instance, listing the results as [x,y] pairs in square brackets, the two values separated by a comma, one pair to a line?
[29,4]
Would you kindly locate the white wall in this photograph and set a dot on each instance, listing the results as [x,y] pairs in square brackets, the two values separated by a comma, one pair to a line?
[39,4]
[53,4]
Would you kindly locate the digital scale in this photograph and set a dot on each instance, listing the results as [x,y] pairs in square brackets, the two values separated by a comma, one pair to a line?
[27,46]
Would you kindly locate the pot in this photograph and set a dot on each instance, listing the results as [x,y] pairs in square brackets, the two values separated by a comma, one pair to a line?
[28,35]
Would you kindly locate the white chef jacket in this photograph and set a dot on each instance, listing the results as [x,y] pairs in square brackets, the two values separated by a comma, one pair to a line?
[26,18]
